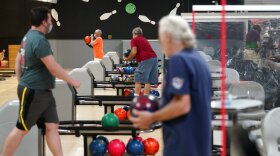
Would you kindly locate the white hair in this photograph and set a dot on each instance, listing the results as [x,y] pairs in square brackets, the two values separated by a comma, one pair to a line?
[98,31]
[179,30]
[137,31]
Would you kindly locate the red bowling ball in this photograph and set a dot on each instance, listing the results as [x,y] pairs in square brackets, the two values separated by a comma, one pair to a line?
[116,148]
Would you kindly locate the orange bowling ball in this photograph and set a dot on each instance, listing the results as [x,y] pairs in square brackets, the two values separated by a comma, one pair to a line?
[120,113]
[87,39]
[151,146]
[128,114]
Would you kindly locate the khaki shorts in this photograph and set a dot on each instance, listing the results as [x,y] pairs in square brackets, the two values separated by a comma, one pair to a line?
[251,55]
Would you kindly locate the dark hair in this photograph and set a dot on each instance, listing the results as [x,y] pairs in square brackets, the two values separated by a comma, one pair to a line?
[257,27]
[38,15]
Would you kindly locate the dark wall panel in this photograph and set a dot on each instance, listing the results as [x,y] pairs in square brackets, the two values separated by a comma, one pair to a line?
[12,18]
[79,18]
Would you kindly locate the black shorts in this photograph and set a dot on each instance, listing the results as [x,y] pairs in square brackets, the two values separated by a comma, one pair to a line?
[36,107]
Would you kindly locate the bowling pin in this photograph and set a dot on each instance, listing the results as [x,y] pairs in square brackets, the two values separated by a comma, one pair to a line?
[146,19]
[119,1]
[85,0]
[105,16]
[55,16]
[174,11]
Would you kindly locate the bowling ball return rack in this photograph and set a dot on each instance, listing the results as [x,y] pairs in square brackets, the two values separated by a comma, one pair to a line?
[7,72]
[119,86]
[109,73]
[90,129]
[125,65]
[109,102]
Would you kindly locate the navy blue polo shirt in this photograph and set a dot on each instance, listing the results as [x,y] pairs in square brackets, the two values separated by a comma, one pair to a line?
[190,134]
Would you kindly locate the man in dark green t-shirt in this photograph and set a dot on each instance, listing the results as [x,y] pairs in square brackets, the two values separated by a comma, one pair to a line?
[36,70]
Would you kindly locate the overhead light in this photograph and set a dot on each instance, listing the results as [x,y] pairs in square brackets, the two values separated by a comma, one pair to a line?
[230,16]
[48,1]
[257,8]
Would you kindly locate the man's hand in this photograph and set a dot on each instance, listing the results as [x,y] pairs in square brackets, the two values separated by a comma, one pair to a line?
[143,119]
[75,83]
[126,59]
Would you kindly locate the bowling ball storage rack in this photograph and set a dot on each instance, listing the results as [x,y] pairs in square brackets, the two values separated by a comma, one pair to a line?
[109,102]
[90,129]
[125,65]
[119,86]
[109,73]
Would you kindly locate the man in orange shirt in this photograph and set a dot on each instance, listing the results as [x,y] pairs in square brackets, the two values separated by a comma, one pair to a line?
[97,45]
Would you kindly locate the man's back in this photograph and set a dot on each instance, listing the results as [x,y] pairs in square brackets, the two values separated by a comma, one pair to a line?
[98,48]
[188,135]
[35,75]
[144,49]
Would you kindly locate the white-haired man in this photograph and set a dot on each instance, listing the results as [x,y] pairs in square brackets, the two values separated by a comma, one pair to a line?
[147,70]
[185,111]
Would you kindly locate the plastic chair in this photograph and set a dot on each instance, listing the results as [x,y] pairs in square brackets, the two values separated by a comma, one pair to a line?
[271,133]
[232,76]
[214,65]
[204,56]
[250,90]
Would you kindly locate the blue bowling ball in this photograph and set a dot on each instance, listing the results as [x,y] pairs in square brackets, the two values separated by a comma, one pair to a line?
[126,108]
[129,69]
[156,93]
[131,92]
[103,138]
[125,70]
[135,147]
[98,147]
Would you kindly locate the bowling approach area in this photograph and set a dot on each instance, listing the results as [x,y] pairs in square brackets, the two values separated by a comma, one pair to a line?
[139,78]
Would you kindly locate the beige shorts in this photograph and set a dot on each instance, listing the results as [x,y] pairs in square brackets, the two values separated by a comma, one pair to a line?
[251,55]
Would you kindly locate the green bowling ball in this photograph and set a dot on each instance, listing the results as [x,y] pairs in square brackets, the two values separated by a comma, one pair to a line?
[110,120]
[130,8]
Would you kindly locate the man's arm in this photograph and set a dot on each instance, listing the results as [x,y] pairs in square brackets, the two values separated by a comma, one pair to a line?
[178,106]
[93,41]
[57,71]
[132,54]
[18,66]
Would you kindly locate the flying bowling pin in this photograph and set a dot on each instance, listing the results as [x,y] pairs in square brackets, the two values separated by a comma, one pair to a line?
[146,19]
[119,1]
[105,16]
[55,16]
[85,0]
[174,11]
